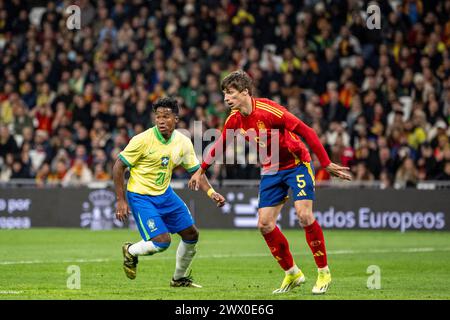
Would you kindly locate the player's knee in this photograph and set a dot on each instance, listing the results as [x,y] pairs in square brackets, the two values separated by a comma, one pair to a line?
[305,216]
[161,242]
[190,235]
[266,226]
[194,235]
[161,246]
[304,212]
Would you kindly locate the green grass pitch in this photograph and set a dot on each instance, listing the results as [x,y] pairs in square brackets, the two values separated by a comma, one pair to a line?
[230,264]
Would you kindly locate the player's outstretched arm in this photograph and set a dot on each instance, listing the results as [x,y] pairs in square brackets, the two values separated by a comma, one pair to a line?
[122,206]
[339,171]
[292,123]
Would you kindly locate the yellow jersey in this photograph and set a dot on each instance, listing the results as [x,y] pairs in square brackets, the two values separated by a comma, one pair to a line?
[151,160]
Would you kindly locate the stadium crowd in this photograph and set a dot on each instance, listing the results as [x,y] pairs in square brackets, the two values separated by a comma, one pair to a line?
[70,100]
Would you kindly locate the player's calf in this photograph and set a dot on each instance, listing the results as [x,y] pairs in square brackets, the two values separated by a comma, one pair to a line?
[184,256]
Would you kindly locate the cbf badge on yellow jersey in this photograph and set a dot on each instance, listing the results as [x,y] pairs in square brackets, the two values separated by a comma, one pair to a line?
[151,160]
[165,161]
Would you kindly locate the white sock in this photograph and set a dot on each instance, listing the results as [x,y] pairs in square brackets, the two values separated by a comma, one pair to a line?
[293,270]
[185,254]
[143,248]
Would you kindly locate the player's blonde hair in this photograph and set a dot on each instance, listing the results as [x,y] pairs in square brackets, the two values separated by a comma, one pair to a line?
[238,80]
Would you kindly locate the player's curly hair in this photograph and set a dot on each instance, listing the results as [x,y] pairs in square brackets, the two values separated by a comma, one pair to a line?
[239,80]
[167,102]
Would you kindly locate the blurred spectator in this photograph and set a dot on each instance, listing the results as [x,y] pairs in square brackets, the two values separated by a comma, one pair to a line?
[385,179]
[39,150]
[445,174]
[362,173]
[6,168]
[6,108]
[334,110]
[347,46]
[7,142]
[407,174]
[100,174]
[427,161]
[42,175]
[58,173]
[21,119]
[79,174]
[18,171]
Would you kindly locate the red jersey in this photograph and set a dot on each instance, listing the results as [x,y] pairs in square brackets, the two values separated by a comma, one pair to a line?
[267,115]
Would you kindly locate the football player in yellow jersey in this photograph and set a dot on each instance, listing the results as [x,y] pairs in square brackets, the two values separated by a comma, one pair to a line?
[151,157]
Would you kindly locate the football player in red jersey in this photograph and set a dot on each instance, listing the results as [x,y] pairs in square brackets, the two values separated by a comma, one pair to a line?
[290,168]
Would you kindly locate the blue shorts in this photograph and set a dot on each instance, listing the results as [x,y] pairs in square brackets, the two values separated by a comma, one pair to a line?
[273,189]
[155,215]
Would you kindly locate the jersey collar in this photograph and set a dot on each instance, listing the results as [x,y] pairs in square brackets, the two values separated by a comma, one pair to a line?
[253,108]
[160,137]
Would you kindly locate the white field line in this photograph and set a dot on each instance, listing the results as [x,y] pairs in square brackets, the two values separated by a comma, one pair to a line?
[222,256]
[53,261]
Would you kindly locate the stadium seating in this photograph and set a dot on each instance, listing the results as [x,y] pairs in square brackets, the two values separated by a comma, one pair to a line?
[70,100]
